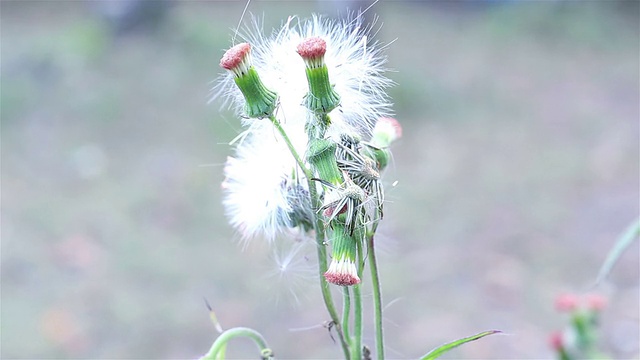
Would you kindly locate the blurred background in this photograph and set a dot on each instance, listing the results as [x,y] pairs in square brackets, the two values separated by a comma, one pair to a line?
[518,169]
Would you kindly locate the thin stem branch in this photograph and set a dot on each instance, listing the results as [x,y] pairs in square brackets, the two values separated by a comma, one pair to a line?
[320,237]
[377,297]
[296,156]
[221,342]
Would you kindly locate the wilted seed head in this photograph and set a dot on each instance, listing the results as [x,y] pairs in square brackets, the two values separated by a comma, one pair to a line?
[259,101]
[354,192]
[322,98]
[362,169]
[301,212]
[346,199]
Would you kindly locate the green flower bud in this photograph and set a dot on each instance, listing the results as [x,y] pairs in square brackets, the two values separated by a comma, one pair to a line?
[342,270]
[321,98]
[386,131]
[321,153]
[260,101]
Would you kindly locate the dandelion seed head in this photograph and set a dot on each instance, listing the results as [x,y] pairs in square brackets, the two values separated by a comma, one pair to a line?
[255,198]
[256,201]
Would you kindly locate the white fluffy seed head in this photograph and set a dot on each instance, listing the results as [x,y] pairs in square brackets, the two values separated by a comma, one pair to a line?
[254,198]
[356,68]
[255,187]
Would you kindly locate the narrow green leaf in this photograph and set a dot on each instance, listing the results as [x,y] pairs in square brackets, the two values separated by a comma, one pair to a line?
[623,242]
[435,353]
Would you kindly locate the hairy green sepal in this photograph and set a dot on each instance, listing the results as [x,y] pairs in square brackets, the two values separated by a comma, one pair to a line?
[343,246]
[260,101]
[321,98]
[322,156]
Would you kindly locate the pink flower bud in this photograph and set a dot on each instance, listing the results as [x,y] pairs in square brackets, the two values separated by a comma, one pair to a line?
[342,272]
[595,302]
[235,56]
[312,48]
[556,341]
[566,303]
[386,131]
[391,126]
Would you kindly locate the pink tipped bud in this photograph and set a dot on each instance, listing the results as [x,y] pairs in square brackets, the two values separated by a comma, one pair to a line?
[389,126]
[342,272]
[556,341]
[236,58]
[260,102]
[386,131]
[312,51]
[322,98]
[312,48]
[595,302]
[566,303]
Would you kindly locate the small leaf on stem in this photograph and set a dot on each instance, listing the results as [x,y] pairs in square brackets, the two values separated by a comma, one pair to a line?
[435,353]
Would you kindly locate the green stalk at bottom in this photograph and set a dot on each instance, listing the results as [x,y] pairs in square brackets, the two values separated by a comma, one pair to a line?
[346,309]
[377,298]
[324,285]
[356,343]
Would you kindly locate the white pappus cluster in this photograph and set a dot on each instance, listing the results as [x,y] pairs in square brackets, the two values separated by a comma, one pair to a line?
[265,192]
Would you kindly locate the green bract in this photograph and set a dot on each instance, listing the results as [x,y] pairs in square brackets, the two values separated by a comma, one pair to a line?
[260,101]
[321,98]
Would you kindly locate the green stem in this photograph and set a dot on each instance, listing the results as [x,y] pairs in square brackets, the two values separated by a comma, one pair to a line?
[377,297]
[356,344]
[322,267]
[320,237]
[357,310]
[221,342]
[346,310]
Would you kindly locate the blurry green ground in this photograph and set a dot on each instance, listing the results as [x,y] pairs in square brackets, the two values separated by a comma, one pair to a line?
[518,169]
